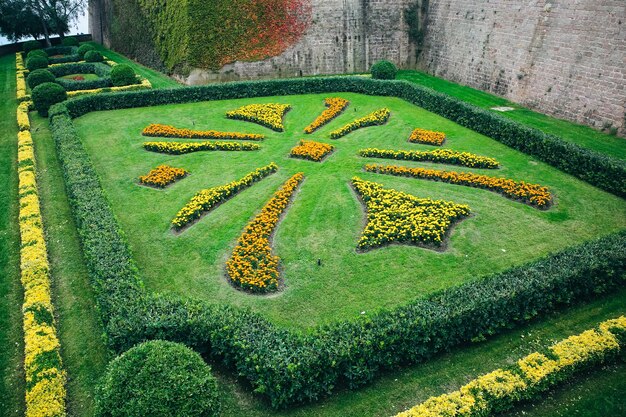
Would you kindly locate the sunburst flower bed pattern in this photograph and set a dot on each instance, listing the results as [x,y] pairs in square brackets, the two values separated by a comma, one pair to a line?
[162,176]
[179,148]
[533,194]
[45,377]
[335,106]
[311,150]
[441,156]
[167,131]
[208,199]
[377,118]
[252,266]
[427,137]
[502,388]
[394,216]
[269,115]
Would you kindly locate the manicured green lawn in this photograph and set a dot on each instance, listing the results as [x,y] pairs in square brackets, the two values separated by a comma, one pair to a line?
[11,336]
[325,219]
[86,77]
[579,134]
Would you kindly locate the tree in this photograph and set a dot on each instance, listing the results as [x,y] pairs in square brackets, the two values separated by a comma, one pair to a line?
[21,18]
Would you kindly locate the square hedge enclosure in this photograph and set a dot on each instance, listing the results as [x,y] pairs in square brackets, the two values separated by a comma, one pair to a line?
[294,354]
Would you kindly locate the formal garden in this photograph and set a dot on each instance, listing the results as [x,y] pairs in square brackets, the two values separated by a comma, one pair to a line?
[320,246]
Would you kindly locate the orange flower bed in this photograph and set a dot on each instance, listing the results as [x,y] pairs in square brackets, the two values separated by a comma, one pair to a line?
[252,265]
[167,131]
[335,106]
[162,176]
[532,194]
[427,137]
[311,150]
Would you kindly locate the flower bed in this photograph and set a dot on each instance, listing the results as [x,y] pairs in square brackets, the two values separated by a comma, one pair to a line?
[179,148]
[533,194]
[440,156]
[167,131]
[205,200]
[45,377]
[335,106]
[502,388]
[427,137]
[269,115]
[394,216]
[311,150]
[379,117]
[162,176]
[252,266]
[23,122]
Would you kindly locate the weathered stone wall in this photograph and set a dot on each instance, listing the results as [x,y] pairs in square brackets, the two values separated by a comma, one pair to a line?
[345,36]
[562,57]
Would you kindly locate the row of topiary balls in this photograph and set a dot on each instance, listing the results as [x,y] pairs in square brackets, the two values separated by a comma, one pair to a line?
[45,90]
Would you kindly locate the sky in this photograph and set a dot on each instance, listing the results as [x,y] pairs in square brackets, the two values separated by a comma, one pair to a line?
[79,26]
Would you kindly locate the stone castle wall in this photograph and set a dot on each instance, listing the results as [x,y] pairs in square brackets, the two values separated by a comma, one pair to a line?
[563,57]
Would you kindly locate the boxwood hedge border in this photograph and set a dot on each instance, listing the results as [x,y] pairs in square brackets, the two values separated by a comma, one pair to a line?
[290,367]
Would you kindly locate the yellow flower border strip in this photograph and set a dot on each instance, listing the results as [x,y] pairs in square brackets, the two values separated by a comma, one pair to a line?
[252,266]
[537,372]
[167,131]
[427,137]
[376,118]
[180,148]
[45,377]
[532,194]
[438,156]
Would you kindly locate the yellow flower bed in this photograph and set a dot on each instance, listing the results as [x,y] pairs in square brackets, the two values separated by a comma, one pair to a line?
[379,117]
[314,151]
[162,176]
[143,85]
[533,194]
[500,389]
[335,106]
[441,156]
[45,378]
[208,199]
[19,62]
[21,93]
[179,148]
[252,265]
[394,216]
[23,122]
[269,115]
[167,131]
[427,137]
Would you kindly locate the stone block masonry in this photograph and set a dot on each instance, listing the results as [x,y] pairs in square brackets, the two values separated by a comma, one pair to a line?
[566,58]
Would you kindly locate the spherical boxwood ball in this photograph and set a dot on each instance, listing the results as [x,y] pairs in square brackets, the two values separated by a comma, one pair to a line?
[36,62]
[37,52]
[384,70]
[69,41]
[31,46]
[93,56]
[123,75]
[47,94]
[39,76]
[83,49]
[158,379]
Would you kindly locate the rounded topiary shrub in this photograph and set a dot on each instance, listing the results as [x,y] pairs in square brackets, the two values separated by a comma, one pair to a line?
[37,52]
[158,379]
[31,46]
[83,49]
[69,41]
[47,94]
[39,76]
[36,62]
[123,75]
[384,70]
[93,56]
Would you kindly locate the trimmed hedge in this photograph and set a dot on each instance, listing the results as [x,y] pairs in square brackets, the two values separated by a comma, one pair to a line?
[39,76]
[384,70]
[158,379]
[288,367]
[36,62]
[122,75]
[37,52]
[595,168]
[47,94]
[31,46]
[93,56]
[100,69]
[69,41]
[84,48]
